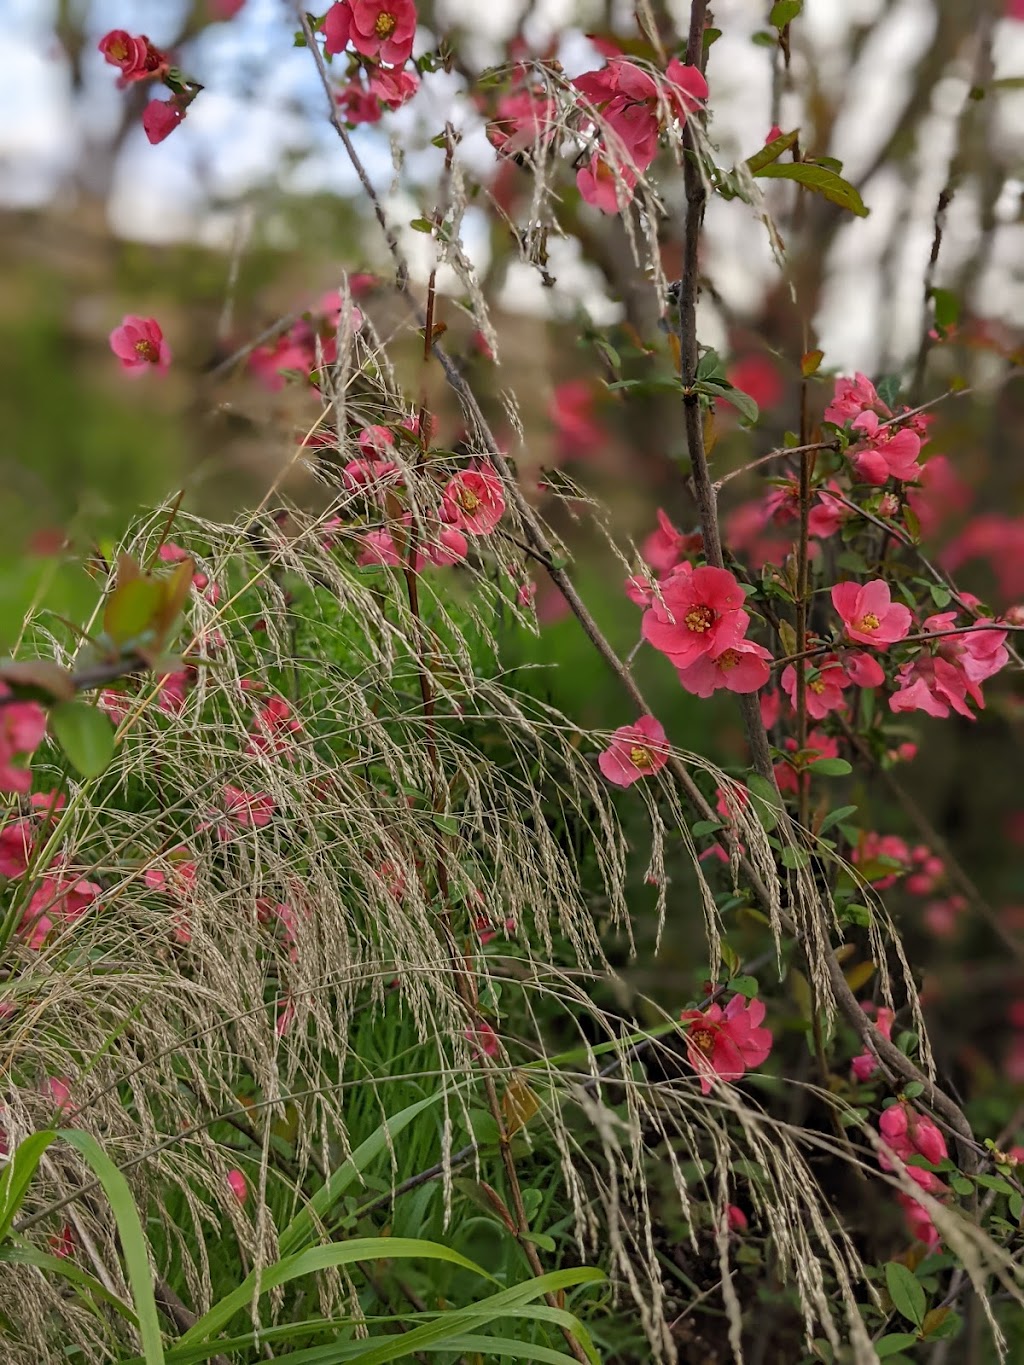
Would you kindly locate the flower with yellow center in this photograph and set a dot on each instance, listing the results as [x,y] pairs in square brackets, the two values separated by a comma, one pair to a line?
[868,623]
[704,1040]
[699,619]
[468,500]
[147,350]
[385,24]
[640,757]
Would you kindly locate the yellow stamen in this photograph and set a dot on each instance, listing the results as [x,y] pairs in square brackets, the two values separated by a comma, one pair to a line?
[699,619]
[385,24]
[640,757]
[868,622]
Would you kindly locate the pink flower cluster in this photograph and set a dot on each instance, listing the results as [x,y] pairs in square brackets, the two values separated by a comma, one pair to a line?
[472,504]
[382,33]
[22,728]
[908,1133]
[943,679]
[724,1044]
[138,60]
[308,345]
[888,445]
[526,117]
[699,624]
[60,899]
[635,751]
[626,106]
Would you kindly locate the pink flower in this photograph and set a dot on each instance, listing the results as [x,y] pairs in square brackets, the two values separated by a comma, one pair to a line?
[474,500]
[62,1244]
[771,708]
[851,398]
[337,28]
[161,117]
[824,687]
[635,751]
[451,547]
[934,686]
[58,900]
[685,86]
[910,1133]
[272,728]
[394,88]
[759,376]
[869,614]
[236,1183]
[226,9]
[358,104]
[137,58]
[15,847]
[525,118]
[977,653]
[139,345]
[701,614]
[382,28]
[736,1219]
[864,670]
[484,1040]
[788,772]
[248,810]
[665,547]
[22,728]
[58,1089]
[865,1064]
[739,667]
[726,1043]
[887,453]
[572,411]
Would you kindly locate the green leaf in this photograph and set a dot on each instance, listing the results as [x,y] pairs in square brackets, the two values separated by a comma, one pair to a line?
[893,1342]
[314,1259]
[906,1292]
[771,151]
[742,402]
[703,827]
[711,35]
[784,12]
[888,389]
[835,816]
[17,1176]
[422,225]
[131,607]
[301,1230]
[744,985]
[947,307]
[831,767]
[132,1238]
[914,1089]
[962,1185]
[766,800]
[820,180]
[85,734]
[710,366]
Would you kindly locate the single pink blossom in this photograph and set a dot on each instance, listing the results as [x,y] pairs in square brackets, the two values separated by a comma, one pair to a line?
[135,57]
[739,667]
[685,86]
[701,613]
[22,729]
[736,1219]
[139,345]
[665,547]
[337,28]
[161,117]
[869,614]
[383,28]
[885,452]
[635,751]
[726,1043]
[865,1064]
[394,88]
[851,398]
[824,686]
[474,499]
[238,1185]
[483,1039]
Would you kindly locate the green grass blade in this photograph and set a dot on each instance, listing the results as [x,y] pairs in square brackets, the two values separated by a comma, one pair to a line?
[321,1258]
[302,1227]
[17,1176]
[133,1240]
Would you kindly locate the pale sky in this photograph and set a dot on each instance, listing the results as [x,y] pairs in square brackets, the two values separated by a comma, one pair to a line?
[262,103]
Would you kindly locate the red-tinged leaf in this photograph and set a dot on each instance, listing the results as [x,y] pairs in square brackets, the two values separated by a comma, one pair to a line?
[130,609]
[771,151]
[518,1105]
[38,675]
[810,363]
[175,589]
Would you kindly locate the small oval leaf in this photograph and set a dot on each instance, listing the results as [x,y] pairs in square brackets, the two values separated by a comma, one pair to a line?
[85,734]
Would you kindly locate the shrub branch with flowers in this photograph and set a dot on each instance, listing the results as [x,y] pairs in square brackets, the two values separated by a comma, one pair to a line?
[319,1034]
